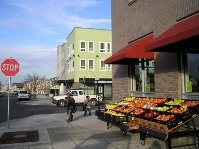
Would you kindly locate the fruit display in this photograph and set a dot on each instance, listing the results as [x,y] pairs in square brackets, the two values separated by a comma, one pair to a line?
[111,106]
[151,114]
[163,109]
[178,110]
[137,111]
[129,98]
[146,103]
[111,112]
[175,102]
[164,117]
[190,103]
[124,109]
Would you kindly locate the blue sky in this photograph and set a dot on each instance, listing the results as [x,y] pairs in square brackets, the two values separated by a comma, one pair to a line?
[31,30]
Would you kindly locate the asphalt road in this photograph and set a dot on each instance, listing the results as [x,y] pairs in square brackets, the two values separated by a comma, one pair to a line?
[21,109]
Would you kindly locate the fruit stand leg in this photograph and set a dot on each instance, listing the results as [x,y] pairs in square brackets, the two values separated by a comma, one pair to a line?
[168,143]
[142,138]
[108,125]
[123,131]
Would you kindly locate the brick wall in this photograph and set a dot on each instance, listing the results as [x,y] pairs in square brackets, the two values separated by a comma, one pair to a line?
[141,18]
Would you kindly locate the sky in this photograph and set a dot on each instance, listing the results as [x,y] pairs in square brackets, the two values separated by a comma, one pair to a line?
[31,30]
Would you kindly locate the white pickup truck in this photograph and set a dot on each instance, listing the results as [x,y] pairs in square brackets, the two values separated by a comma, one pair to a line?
[79,97]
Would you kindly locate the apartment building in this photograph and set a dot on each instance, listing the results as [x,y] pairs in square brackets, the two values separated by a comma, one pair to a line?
[80,61]
[155,48]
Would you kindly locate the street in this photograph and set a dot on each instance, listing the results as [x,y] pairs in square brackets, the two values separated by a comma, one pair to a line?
[22,109]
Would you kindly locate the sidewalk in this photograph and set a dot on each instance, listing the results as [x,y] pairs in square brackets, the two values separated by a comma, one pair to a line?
[83,133]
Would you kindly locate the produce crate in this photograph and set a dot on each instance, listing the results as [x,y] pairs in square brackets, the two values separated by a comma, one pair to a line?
[119,119]
[170,123]
[194,107]
[184,116]
[161,126]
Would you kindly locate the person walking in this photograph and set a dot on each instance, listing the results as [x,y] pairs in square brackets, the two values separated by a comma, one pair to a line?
[71,107]
[87,104]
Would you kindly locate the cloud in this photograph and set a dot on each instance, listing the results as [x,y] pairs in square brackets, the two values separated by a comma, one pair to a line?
[39,59]
[57,12]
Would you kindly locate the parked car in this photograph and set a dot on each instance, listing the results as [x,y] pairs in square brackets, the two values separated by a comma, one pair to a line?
[23,95]
[79,97]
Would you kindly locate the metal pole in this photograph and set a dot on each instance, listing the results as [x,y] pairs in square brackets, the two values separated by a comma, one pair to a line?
[8,118]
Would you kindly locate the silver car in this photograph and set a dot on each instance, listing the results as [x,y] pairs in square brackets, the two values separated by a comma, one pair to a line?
[23,95]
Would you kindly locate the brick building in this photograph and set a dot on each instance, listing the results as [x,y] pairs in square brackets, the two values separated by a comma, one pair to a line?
[169,30]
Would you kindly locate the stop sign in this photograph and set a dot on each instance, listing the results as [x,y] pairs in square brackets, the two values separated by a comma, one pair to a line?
[10,67]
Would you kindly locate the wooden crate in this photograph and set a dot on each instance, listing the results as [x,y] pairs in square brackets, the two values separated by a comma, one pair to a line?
[152,125]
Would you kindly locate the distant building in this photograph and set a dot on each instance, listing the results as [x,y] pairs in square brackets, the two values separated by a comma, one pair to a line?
[17,87]
[80,61]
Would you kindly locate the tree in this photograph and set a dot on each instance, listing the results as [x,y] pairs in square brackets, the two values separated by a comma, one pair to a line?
[33,79]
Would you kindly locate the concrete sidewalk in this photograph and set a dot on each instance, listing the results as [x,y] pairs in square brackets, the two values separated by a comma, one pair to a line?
[83,133]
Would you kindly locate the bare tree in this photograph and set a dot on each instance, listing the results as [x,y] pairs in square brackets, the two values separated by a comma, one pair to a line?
[33,79]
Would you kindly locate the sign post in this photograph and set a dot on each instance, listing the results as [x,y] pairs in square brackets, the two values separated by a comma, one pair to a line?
[9,67]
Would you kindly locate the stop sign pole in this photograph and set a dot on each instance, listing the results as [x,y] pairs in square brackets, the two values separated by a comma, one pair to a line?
[9,67]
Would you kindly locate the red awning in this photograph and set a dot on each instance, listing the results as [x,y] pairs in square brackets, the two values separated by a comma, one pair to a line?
[184,34]
[132,51]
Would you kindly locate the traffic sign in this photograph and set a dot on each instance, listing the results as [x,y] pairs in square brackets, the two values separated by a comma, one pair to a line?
[10,67]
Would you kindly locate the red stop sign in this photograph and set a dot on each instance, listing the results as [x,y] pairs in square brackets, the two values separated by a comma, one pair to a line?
[10,67]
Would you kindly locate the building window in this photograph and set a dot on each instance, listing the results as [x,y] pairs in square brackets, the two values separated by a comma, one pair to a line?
[108,67]
[73,46]
[71,49]
[143,76]
[72,65]
[191,75]
[102,47]
[82,46]
[91,64]
[105,47]
[102,66]
[138,77]
[149,76]
[83,64]
[91,46]
[108,47]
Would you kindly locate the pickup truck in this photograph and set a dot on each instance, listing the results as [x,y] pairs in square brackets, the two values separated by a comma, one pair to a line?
[78,96]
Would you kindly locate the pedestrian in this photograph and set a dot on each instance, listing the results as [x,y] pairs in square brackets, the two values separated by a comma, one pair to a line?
[87,104]
[71,107]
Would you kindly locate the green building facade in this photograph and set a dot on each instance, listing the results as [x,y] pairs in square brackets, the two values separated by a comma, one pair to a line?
[82,61]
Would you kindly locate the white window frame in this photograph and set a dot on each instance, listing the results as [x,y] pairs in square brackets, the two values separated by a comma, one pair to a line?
[69,51]
[105,50]
[72,63]
[81,65]
[102,50]
[68,67]
[107,47]
[89,47]
[102,68]
[80,48]
[108,67]
[89,65]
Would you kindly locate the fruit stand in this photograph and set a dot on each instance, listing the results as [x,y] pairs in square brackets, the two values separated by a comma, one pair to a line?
[161,118]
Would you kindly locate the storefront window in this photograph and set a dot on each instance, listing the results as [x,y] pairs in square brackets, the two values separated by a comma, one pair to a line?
[138,77]
[192,73]
[143,76]
[149,83]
